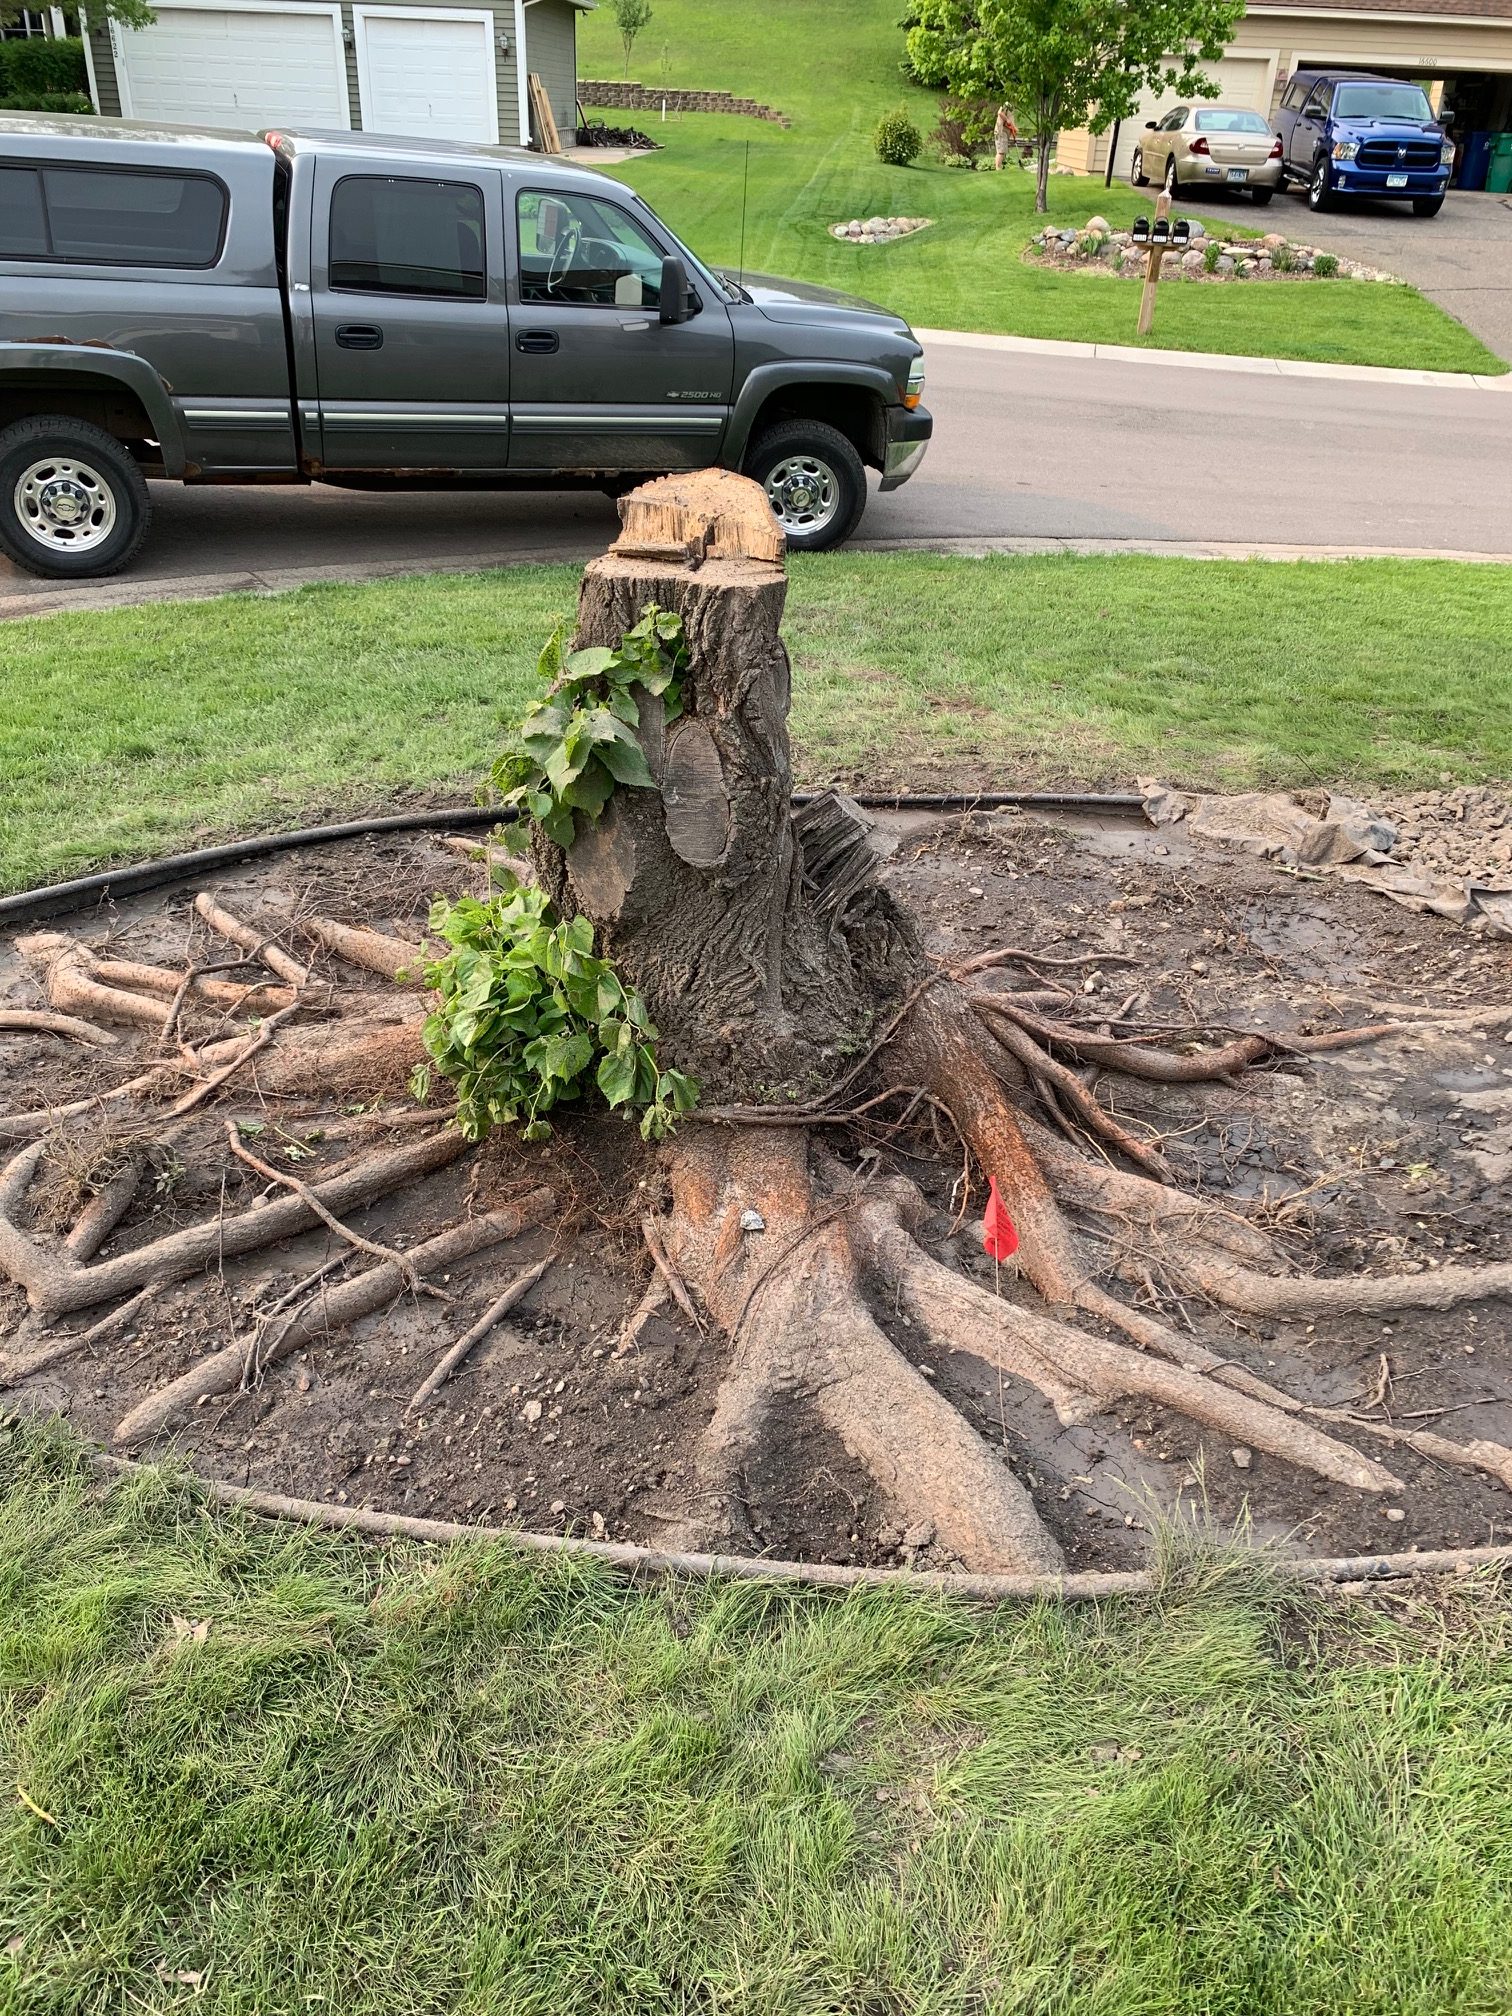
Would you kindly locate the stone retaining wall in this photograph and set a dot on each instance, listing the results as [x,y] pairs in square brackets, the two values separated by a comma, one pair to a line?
[638,98]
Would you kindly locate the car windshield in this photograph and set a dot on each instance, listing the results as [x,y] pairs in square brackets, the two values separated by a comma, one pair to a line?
[1383,101]
[1231,122]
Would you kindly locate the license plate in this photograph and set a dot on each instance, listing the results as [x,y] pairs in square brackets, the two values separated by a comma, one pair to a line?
[1396,181]
[1238,174]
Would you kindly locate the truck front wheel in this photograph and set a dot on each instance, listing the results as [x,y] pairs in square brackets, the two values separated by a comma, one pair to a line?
[73,503]
[814,482]
[1320,190]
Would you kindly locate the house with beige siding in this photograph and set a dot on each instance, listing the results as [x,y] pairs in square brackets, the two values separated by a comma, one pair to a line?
[436,71]
[1460,50]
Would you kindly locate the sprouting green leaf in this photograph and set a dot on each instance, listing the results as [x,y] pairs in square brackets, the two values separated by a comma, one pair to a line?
[616,1077]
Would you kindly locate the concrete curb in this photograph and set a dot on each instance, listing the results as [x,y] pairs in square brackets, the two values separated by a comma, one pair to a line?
[1213,360]
[89,598]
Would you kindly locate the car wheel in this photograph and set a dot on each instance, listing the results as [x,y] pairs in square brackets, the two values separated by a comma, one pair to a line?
[1137,175]
[1427,206]
[1170,177]
[73,503]
[814,482]
[1320,194]
[1261,197]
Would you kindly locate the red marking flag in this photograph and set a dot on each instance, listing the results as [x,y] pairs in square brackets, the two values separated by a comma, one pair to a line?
[999,1234]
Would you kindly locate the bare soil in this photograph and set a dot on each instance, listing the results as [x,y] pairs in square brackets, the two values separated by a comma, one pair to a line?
[1394,1156]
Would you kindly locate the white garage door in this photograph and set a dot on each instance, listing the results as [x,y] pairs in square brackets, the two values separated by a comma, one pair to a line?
[1241,80]
[235,66]
[427,71]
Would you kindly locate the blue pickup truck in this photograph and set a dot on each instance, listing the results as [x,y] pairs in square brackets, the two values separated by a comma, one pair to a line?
[1346,133]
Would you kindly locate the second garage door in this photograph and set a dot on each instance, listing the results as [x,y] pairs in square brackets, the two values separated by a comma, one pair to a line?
[427,71]
[1241,80]
[234,66]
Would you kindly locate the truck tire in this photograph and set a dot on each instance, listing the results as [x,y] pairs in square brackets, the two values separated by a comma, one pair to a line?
[1320,191]
[73,503]
[814,482]
[1427,206]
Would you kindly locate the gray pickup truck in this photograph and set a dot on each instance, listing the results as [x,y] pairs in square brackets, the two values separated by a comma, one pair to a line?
[350,309]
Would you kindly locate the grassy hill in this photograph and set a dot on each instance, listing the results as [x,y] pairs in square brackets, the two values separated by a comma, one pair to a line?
[731,185]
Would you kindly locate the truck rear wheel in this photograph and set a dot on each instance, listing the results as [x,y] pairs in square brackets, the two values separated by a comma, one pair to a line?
[73,503]
[814,482]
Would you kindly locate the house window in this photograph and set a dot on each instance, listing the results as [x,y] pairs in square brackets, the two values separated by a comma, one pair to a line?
[395,236]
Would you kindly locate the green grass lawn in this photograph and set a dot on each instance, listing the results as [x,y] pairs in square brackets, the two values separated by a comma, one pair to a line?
[833,67]
[403,1780]
[125,734]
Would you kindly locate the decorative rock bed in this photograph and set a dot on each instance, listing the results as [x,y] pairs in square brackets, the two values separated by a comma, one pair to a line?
[1098,247]
[879,230]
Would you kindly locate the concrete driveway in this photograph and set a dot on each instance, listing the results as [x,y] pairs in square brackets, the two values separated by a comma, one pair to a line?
[1462,259]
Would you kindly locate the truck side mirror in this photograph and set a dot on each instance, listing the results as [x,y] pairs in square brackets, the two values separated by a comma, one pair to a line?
[675,306]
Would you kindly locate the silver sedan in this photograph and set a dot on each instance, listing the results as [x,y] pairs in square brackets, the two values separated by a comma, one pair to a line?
[1216,146]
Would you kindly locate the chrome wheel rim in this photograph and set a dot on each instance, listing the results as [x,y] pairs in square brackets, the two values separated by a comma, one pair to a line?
[1319,181]
[64,504]
[804,493]
[1136,166]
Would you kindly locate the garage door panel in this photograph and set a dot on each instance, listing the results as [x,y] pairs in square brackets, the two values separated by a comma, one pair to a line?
[427,73]
[235,67]
[1241,80]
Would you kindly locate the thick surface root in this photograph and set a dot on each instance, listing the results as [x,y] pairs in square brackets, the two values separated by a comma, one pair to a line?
[801,1333]
[57,1284]
[1058,1359]
[244,1360]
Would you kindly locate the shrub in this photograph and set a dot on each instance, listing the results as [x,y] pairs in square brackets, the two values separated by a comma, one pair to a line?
[964,128]
[1282,260]
[33,71]
[48,101]
[1210,256]
[1326,266]
[896,139]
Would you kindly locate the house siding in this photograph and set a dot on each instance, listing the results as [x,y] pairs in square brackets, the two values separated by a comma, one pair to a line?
[551,38]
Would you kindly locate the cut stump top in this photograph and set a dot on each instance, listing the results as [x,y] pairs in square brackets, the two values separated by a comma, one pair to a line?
[698,515]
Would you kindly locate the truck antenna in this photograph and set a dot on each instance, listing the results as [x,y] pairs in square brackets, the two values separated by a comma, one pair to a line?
[744,187]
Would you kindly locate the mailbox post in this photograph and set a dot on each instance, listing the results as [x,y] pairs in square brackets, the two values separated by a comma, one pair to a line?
[1159,238]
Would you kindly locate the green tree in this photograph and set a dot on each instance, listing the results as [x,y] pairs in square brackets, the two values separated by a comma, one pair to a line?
[131,13]
[630,16]
[1069,63]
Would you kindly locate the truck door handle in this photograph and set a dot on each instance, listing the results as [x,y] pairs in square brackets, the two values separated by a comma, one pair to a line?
[537,342]
[359,336]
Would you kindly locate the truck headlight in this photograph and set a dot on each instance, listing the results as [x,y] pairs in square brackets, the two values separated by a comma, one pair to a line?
[1446,154]
[913,391]
[1345,150]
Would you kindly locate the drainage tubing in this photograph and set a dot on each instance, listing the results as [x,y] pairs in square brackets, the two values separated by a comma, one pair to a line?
[62,897]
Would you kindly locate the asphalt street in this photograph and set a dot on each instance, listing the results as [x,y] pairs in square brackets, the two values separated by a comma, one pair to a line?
[1029,444]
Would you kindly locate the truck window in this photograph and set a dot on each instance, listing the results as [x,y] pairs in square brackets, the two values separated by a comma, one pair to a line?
[1384,101]
[23,222]
[1296,91]
[1317,106]
[391,235]
[111,216]
[581,251]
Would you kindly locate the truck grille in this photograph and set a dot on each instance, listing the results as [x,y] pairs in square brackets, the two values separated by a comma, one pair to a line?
[1410,154]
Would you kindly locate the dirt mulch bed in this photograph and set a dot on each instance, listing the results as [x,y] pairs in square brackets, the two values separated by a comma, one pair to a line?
[1393,1156]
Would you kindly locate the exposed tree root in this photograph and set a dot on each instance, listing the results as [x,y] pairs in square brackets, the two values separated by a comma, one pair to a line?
[789,1296]
[251,940]
[373,950]
[37,1021]
[492,1316]
[1062,1361]
[56,1284]
[242,1361]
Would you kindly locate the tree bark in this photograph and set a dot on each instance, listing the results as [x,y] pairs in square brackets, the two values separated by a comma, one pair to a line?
[696,889]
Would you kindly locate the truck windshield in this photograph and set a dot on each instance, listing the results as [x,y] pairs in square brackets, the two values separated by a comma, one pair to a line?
[1383,101]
